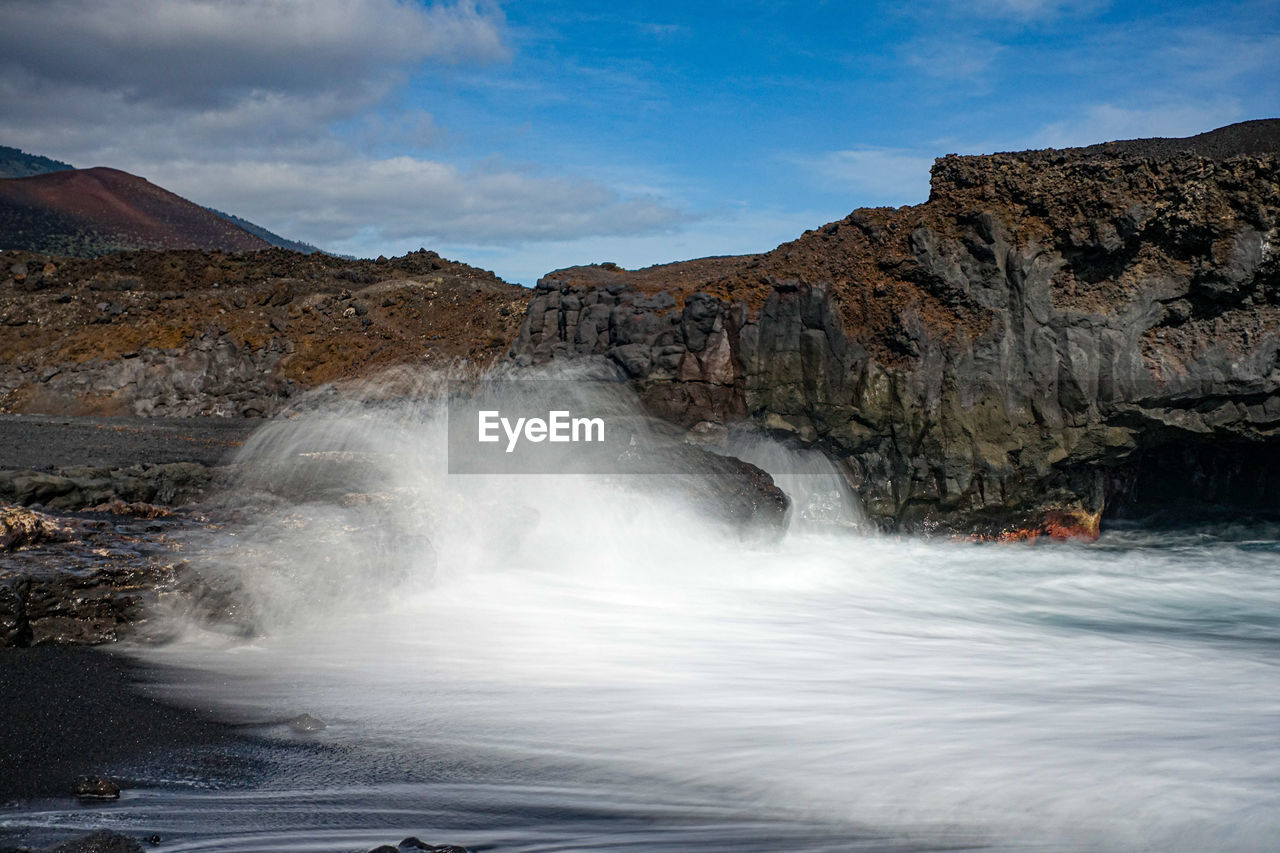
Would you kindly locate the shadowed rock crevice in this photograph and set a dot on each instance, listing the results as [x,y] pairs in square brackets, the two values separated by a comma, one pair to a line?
[1183,479]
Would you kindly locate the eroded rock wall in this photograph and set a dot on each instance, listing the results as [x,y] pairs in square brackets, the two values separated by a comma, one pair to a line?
[997,360]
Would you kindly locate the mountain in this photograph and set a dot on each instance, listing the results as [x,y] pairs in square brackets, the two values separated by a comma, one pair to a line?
[1052,337]
[15,163]
[87,212]
[271,237]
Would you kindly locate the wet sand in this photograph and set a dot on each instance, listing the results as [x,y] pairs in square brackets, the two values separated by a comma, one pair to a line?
[67,712]
[43,442]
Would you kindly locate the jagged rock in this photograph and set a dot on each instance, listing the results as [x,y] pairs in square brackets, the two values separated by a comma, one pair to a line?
[85,582]
[724,487]
[138,509]
[97,788]
[1034,344]
[20,528]
[83,487]
[305,724]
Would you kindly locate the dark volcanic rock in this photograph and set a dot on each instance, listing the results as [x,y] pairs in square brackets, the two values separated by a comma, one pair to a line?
[414,843]
[723,487]
[305,724]
[82,487]
[1020,352]
[85,580]
[97,788]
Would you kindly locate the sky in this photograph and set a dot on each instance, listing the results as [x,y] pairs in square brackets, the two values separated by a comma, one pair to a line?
[527,136]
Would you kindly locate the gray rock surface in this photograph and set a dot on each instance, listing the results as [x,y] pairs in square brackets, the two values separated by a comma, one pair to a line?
[1044,338]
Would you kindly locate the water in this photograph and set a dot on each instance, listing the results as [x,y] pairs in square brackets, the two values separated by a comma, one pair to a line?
[565,663]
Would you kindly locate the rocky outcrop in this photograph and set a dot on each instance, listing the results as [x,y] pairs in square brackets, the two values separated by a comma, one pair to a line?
[190,333]
[721,487]
[1054,334]
[214,374]
[83,487]
[83,580]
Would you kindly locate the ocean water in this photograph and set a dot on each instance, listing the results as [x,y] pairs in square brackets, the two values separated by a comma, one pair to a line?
[536,663]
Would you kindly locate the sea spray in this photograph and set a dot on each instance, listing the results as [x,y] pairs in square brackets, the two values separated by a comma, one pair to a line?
[568,645]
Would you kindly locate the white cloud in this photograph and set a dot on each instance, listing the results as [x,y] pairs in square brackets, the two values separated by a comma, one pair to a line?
[952,57]
[394,200]
[201,52]
[1030,10]
[280,111]
[874,176]
[143,81]
[1108,122]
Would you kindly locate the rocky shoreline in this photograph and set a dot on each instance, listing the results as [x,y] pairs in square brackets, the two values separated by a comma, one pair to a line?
[1026,352]
[89,554]
[1053,339]
[1052,336]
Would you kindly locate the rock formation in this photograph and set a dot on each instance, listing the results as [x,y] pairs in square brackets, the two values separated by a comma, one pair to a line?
[186,333]
[1052,335]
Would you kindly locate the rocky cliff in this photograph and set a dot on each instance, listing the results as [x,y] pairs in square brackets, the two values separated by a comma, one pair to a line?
[1051,336]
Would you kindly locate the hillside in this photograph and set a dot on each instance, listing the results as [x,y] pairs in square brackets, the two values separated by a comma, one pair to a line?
[15,163]
[270,236]
[183,333]
[87,212]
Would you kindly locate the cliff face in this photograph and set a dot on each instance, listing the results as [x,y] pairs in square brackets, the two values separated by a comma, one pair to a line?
[1053,334]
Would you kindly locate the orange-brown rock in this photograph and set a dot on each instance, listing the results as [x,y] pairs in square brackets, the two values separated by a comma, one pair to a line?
[186,333]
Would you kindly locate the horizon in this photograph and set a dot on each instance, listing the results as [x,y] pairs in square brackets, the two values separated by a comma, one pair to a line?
[524,138]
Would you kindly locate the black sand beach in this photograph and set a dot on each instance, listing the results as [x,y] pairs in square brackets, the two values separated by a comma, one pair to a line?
[65,711]
[71,712]
[42,442]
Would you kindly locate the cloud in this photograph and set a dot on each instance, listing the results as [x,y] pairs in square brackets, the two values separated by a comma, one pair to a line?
[951,57]
[198,53]
[285,112]
[745,230]
[1108,122]
[139,81]
[1213,60]
[878,175]
[402,199]
[1030,10]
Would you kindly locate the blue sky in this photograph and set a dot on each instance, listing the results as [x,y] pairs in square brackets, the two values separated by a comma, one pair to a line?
[525,136]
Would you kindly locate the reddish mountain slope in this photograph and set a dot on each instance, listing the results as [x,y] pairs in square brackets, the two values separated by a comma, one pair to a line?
[86,212]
